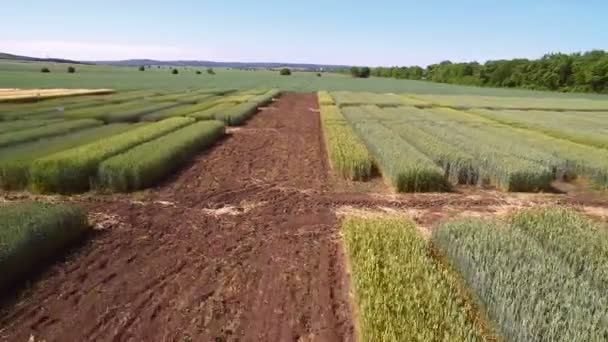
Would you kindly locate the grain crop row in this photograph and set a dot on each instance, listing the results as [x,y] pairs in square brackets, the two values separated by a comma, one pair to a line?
[150,162]
[31,233]
[408,169]
[54,129]
[75,169]
[532,276]
[15,161]
[349,156]
[402,293]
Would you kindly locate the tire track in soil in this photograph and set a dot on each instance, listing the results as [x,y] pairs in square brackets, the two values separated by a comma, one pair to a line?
[269,271]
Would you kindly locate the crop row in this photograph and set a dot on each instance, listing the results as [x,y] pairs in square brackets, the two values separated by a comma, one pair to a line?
[31,233]
[349,156]
[528,103]
[53,129]
[148,163]
[402,292]
[408,169]
[580,127]
[540,277]
[511,158]
[75,169]
[15,161]
[56,108]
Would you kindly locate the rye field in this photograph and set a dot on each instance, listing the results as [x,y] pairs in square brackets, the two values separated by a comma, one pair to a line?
[252,206]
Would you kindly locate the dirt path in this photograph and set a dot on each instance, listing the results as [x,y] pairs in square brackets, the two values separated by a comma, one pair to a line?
[242,244]
[238,246]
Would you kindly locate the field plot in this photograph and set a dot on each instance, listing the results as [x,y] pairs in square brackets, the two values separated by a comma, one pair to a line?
[525,273]
[421,146]
[52,146]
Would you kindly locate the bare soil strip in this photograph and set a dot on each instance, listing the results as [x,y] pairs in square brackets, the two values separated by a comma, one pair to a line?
[242,244]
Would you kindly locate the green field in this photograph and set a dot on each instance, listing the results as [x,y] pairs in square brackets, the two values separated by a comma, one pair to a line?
[28,75]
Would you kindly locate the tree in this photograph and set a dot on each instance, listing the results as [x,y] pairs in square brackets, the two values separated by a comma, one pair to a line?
[45,70]
[198,72]
[142,68]
[285,72]
[174,72]
[365,72]
[71,69]
[355,72]
[210,71]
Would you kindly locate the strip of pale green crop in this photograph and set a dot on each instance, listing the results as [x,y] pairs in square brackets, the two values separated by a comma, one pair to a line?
[124,112]
[19,125]
[501,159]
[31,233]
[578,240]
[566,157]
[59,128]
[211,110]
[528,291]
[325,98]
[15,161]
[343,98]
[148,163]
[555,124]
[191,97]
[460,167]
[401,292]
[184,110]
[237,115]
[408,169]
[528,103]
[56,108]
[73,170]
[349,156]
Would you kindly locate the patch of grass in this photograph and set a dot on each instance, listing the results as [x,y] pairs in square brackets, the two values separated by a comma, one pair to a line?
[31,233]
[530,292]
[74,170]
[148,163]
[402,293]
[349,156]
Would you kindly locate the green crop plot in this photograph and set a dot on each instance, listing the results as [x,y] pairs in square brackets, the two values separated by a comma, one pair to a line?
[408,169]
[150,162]
[15,161]
[349,156]
[401,292]
[75,169]
[31,233]
[59,128]
[533,289]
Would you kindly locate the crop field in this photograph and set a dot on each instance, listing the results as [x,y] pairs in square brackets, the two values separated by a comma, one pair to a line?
[257,213]
[70,144]
[424,143]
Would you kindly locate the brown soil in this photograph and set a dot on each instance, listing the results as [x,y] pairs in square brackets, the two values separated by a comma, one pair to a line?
[242,244]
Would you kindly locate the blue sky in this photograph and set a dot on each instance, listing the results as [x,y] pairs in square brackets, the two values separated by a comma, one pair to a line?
[381,32]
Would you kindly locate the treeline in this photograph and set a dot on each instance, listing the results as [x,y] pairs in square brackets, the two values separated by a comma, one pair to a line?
[578,72]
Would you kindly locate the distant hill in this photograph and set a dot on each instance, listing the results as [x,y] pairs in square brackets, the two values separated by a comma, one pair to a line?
[181,63]
[233,65]
[8,56]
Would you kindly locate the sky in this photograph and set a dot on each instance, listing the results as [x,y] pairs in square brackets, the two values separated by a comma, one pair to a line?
[355,32]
